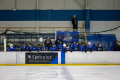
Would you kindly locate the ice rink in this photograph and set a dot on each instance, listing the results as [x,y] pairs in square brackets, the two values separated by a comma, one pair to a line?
[59,72]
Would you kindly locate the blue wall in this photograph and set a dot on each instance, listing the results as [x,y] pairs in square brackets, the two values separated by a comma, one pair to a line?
[104,39]
[105,15]
[58,15]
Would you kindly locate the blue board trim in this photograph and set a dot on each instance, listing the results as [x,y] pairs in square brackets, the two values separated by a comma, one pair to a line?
[87,22]
[105,15]
[55,60]
[62,57]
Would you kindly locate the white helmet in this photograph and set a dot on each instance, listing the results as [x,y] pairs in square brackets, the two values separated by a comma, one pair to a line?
[64,45]
[89,43]
[11,45]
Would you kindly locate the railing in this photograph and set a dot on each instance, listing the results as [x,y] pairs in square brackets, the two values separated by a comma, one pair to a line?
[41,29]
[20,29]
[53,29]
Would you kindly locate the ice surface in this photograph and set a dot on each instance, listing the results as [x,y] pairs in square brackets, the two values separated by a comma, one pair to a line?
[59,72]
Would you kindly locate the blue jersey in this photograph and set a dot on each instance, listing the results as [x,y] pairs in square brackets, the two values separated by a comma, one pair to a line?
[81,48]
[40,49]
[23,49]
[74,47]
[65,48]
[52,49]
[31,48]
[59,47]
[89,48]
[12,49]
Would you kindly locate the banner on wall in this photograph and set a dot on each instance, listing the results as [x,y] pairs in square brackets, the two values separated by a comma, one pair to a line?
[68,36]
[41,58]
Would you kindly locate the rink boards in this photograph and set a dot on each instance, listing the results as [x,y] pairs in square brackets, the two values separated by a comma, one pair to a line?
[67,58]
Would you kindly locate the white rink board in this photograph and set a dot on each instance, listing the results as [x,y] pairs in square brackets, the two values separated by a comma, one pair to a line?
[7,57]
[70,57]
[17,57]
[92,57]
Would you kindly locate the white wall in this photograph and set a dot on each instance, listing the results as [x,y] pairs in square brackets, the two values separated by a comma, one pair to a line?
[105,4]
[59,4]
[7,4]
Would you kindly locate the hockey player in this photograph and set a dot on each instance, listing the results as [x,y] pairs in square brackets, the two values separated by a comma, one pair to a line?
[53,48]
[58,40]
[60,46]
[89,47]
[12,48]
[74,46]
[82,47]
[65,49]
[46,48]
[39,48]
[23,48]
[31,48]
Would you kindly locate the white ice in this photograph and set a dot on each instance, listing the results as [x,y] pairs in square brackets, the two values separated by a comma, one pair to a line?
[59,72]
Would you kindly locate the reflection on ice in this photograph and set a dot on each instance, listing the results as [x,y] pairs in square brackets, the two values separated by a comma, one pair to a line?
[59,72]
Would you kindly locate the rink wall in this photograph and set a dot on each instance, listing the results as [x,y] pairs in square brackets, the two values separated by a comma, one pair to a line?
[66,58]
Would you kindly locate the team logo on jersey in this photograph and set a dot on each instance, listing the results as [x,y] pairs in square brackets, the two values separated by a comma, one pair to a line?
[67,37]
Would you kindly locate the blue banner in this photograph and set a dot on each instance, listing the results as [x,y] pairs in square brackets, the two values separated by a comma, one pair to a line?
[68,36]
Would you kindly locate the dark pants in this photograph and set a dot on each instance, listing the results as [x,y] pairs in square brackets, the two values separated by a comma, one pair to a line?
[75,27]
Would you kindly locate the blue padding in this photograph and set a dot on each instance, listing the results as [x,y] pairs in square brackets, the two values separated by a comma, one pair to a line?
[62,57]
[55,60]
[94,39]
[106,39]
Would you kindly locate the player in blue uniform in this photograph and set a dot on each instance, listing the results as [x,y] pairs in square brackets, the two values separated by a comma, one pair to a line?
[31,48]
[53,48]
[12,48]
[82,47]
[65,49]
[74,46]
[46,48]
[60,46]
[23,48]
[39,48]
[89,47]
